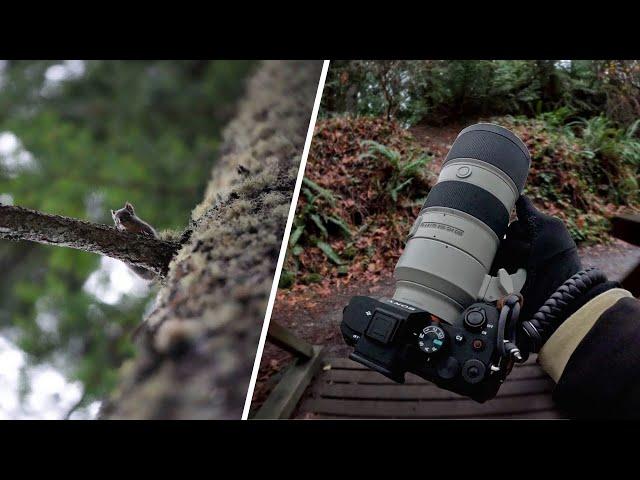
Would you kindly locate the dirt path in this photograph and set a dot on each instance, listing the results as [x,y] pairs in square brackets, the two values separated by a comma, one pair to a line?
[436,141]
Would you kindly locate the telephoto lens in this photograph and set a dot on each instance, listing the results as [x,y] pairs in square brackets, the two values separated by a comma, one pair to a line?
[454,240]
[449,321]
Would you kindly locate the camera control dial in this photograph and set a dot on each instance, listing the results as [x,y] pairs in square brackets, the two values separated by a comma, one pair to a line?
[432,339]
[475,319]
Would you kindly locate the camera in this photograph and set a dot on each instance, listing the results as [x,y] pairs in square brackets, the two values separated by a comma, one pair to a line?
[449,321]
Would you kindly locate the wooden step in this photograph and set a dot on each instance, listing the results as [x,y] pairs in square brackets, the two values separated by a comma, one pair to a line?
[538,415]
[453,408]
[366,376]
[347,389]
[423,392]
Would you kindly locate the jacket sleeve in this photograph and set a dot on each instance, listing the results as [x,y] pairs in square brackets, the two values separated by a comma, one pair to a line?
[594,358]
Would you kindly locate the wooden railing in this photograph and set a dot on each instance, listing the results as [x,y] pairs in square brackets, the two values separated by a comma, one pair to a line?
[283,399]
[626,227]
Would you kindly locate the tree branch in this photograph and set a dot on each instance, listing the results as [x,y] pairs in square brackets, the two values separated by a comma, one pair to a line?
[17,223]
[75,406]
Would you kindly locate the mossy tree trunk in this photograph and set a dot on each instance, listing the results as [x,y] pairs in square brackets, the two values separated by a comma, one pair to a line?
[197,348]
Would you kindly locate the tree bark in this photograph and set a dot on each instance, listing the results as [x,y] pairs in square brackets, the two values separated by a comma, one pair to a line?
[17,223]
[196,351]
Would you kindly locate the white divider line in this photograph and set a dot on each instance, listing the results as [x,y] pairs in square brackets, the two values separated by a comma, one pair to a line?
[285,241]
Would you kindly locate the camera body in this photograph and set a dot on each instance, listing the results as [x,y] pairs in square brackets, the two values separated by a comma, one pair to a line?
[393,338]
[449,320]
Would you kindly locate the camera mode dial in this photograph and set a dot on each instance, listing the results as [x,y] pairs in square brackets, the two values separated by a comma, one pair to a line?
[432,339]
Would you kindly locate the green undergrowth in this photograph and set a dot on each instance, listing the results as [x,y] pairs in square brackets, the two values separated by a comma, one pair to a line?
[584,171]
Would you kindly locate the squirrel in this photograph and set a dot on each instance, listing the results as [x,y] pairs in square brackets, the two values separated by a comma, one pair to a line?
[125,219]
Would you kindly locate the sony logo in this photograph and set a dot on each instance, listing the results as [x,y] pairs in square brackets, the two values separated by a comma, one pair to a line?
[408,307]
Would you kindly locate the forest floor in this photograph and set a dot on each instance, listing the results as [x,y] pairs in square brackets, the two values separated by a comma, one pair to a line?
[314,313]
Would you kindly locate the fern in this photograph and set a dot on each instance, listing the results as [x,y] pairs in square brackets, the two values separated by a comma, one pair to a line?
[330,253]
[403,170]
[322,192]
[375,149]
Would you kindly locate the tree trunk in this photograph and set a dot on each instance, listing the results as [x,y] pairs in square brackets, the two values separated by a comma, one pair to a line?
[197,348]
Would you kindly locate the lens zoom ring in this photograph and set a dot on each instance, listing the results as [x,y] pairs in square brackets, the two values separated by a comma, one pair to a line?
[470,199]
[494,149]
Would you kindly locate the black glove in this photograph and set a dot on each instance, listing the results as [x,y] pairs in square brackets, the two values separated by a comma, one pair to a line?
[542,245]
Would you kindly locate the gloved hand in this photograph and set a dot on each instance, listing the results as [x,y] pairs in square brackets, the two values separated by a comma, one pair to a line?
[542,245]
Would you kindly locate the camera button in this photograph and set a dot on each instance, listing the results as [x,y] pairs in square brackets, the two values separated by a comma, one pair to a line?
[473,371]
[477,344]
[463,172]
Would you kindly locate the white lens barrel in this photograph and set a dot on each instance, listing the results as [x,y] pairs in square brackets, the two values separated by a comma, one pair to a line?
[454,240]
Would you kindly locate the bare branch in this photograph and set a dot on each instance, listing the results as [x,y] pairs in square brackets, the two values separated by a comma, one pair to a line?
[17,223]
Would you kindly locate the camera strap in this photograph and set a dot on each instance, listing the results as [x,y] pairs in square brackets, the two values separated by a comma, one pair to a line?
[557,307]
[508,326]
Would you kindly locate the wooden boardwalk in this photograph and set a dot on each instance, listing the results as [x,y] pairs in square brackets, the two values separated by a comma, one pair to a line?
[346,389]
